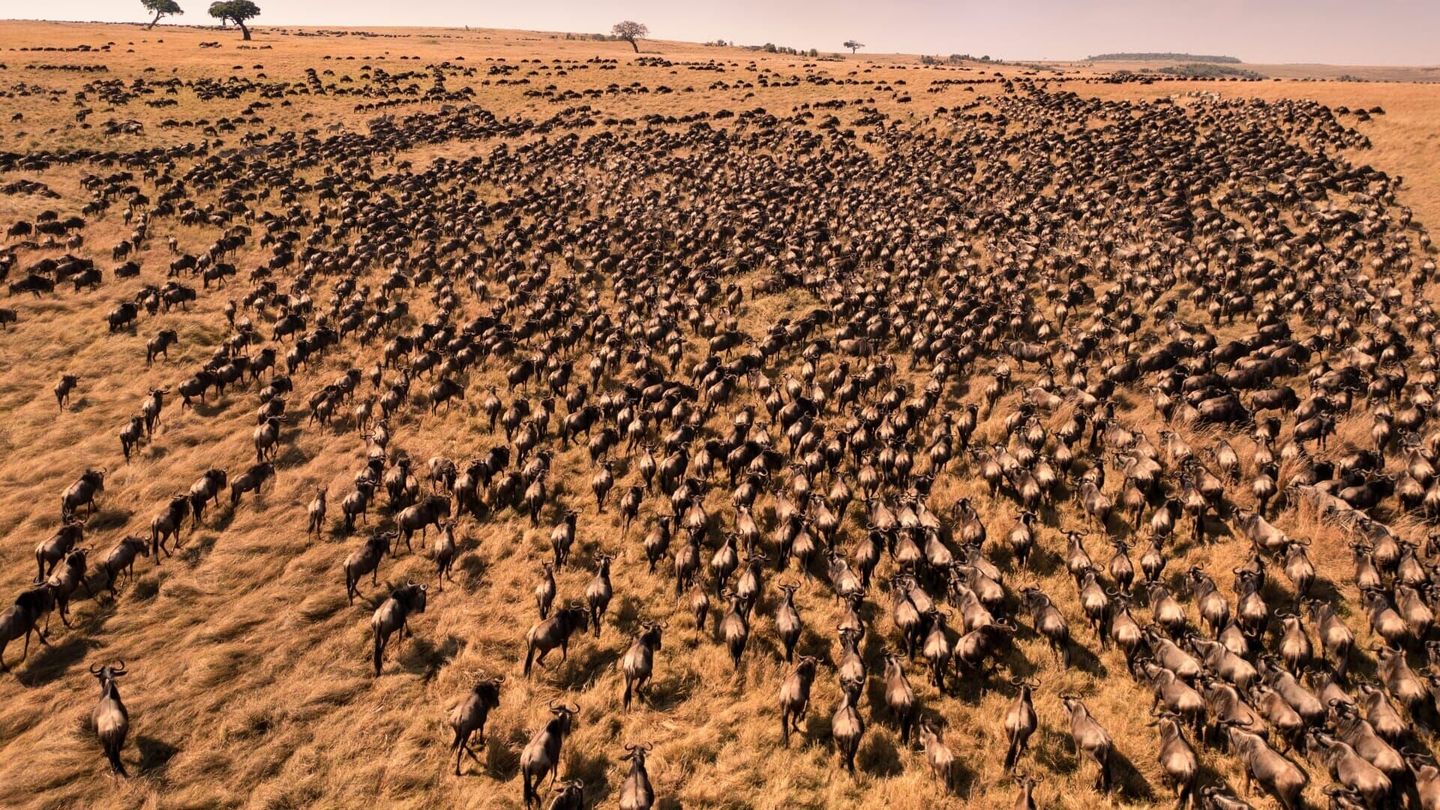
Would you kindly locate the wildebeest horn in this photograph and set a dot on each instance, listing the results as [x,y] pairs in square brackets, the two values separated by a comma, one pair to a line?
[94,670]
[120,669]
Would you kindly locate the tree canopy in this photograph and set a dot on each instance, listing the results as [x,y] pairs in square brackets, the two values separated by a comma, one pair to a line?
[630,31]
[236,11]
[161,8]
[853,45]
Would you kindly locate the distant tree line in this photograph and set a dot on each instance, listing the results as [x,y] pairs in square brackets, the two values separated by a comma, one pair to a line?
[1200,70]
[953,59]
[1155,56]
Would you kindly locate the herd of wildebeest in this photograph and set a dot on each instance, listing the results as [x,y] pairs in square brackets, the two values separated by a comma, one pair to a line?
[787,342]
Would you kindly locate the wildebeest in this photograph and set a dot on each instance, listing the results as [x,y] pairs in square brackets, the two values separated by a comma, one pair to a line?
[795,696]
[421,516]
[366,560]
[639,661]
[83,492]
[469,716]
[68,578]
[1092,740]
[636,792]
[110,718]
[206,489]
[393,616]
[542,754]
[23,618]
[555,632]
[64,387]
[250,481]
[160,345]
[121,559]
[50,552]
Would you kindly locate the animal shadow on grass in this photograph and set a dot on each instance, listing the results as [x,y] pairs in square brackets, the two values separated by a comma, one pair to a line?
[291,456]
[154,754]
[209,409]
[224,517]
[423,657]
[106,520]
[664,695]
[591,770]
[1128,780]
[502,757]
[1083,659]
[878,756]
[197,547]
[586,664]
[474,567]
[55,660]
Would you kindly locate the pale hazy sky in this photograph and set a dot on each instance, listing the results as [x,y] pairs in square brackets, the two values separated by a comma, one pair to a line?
[1370,32]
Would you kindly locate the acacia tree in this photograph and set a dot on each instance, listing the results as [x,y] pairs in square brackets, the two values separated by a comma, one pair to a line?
[236,11]
[853,45]
[161,8]
[630,31]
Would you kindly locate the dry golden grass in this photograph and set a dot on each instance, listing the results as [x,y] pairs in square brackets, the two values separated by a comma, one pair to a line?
[251,684]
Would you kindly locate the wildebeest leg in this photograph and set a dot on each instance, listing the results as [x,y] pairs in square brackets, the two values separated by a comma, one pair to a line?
[459,745]
[466,747]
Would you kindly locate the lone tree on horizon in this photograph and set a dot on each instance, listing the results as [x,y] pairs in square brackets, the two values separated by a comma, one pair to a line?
[236,11]
[853,45]
[161,8]
[630,31]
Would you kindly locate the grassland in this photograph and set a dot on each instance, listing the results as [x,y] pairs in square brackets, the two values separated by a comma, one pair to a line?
[250,685]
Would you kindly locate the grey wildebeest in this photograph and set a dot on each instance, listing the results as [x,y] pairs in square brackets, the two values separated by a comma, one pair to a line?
[206,489]
[50,552]
[131,436]
[542,754]
[83,492]
[468,718]
[639,661]
[1020,723]
[393,616]
[1276,774]
[636,793]
[1091,739]
[938,755]
[847,726]
[110,718]
[366,560]
[421,516]
[1178,761]
[168,524]
[68,578]
[63,388]
[795,696]
[122,559]
[554,632]
[315,513]
[23,618]
[250,481]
